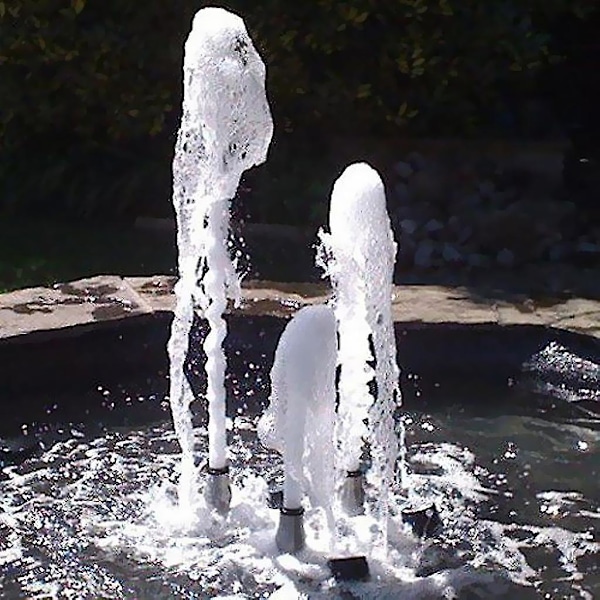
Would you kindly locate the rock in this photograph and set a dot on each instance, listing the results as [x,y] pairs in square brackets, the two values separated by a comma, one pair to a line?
[486,189]
[542,248]
[438,557]
[465,235]
[586,253]
[433,225]
[401,212]
[429,185]
[450,254]
[558,252]
[500,199]
[424,254]
[486,166]
[541,172]
[587,247]
[401,192]
[505,258]
[477,260]
[510,229]
[408,226]
[403,169]
[454,223]
[487,212]
[417,161]
[406,251]
[472,200]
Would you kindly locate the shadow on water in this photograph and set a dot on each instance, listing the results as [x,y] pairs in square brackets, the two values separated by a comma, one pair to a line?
[117,375]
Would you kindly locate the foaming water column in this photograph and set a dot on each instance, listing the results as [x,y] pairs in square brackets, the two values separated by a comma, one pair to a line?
[226,128]
[299,421]
[359,255]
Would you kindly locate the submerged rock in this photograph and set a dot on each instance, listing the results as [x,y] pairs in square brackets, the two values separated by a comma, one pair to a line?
[437,557]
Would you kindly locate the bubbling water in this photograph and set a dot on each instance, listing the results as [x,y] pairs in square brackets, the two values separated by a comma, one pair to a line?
[226,128]
[299,421]
[96,518]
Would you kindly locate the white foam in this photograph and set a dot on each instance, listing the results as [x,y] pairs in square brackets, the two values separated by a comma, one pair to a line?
[114,498]
[299,421]
[226,128]
[359,255]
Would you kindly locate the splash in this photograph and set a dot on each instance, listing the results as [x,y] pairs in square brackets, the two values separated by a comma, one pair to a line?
[98,518]
[226,128]
[558,372]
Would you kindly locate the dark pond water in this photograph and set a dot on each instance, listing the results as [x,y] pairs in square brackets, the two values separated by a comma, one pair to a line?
[87,507]
[89,471]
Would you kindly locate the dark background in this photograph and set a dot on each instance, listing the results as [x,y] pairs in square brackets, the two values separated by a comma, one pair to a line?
[90,94]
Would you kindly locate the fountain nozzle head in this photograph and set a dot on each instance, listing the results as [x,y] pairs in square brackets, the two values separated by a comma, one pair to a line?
[351,568]
[290,537]
[352,494]
[275,498]
[423,519]
[217,492]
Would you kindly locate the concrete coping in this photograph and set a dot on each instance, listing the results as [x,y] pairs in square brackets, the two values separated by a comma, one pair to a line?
[106,298]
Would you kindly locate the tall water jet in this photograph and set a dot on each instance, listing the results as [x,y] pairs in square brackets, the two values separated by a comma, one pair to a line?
[226,128]
[299,421]
[359,255]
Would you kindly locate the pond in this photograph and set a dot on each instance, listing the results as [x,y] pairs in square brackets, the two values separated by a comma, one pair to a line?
[87,496]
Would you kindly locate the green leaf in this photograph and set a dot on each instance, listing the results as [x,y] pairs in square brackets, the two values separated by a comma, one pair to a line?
[364,90]
[287,38]
[78,5]
[402,64]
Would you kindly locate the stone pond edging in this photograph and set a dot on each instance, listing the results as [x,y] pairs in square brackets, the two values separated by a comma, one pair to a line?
[97,301]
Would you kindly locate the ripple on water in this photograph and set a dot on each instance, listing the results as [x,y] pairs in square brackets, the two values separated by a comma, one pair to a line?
[98,518]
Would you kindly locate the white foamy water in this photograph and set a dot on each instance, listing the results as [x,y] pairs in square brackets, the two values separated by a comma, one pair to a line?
[299,421]
[561,373]
[99,518]
[226,128]
[359,254]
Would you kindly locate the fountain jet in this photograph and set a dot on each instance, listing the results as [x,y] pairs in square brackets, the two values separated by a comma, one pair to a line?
[299,421]
[226,128]
[359,255]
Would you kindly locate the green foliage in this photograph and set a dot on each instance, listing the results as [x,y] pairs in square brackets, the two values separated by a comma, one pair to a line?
[293,188]
[92,87]
[377,66]
[85,180]
[42,252]
[89,98]
[97,70]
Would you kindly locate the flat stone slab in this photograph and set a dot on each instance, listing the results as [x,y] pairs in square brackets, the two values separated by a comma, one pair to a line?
[156,292]
[64,305]
[438,304]
[109,298]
